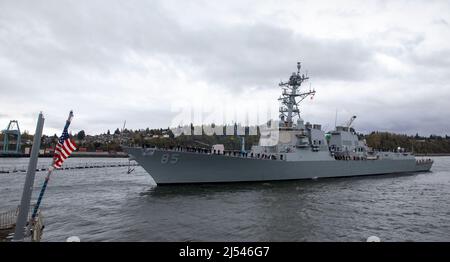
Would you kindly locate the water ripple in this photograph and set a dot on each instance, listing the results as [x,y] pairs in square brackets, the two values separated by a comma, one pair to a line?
[110,205]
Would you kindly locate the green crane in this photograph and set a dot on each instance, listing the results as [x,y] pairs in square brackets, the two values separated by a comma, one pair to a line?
[12,130]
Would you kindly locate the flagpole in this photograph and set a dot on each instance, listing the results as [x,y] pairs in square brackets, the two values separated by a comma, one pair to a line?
[24,208]
[47,178]
[41,194]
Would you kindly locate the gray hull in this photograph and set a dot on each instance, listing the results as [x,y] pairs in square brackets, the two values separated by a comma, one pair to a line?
[175,167]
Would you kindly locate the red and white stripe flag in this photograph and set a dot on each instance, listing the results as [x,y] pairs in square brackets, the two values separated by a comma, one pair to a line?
[64,147]
[62,152]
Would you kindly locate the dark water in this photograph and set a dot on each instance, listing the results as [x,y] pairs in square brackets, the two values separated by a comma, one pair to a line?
[108,204]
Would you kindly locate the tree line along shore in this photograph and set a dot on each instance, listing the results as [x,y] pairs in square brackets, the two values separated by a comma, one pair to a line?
[109,143]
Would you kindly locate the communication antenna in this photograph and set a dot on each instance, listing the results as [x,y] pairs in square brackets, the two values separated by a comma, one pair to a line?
[121,132]
[350,121]
[124,123]
[291,91]
[335,119]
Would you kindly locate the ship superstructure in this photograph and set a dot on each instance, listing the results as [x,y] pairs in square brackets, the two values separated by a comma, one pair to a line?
[302,150]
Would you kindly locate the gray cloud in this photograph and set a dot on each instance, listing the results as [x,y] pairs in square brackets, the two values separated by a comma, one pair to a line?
[69,55]
[63,37]
[441,21]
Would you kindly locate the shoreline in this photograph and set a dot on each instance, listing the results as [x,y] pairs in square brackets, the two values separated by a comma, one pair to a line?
[74,154]
[125,155]
[433,154]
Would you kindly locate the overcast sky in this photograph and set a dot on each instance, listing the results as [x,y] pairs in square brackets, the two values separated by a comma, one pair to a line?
[388,62]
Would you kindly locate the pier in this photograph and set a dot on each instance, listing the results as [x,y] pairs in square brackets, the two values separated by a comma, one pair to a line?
[44,167]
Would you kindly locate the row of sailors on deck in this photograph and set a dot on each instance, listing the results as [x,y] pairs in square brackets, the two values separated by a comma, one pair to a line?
[338,157]
[424,161]
[222,152]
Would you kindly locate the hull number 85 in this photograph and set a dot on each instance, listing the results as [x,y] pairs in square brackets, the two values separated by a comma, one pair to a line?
[169,158]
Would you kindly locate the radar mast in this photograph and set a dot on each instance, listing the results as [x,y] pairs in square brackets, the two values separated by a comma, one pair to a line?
[290,92]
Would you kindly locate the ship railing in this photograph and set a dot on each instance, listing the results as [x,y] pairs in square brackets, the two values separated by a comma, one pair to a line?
[8,224]
[8,219]
[353,158]
[424,161]
[227,153]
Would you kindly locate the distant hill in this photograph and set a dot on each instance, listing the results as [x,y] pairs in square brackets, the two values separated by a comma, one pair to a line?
[418,144]
[164,138]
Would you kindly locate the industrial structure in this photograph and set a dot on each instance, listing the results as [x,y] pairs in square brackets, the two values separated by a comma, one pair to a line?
[12,137]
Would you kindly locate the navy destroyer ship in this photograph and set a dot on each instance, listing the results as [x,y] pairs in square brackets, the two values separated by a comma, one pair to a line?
[291,151]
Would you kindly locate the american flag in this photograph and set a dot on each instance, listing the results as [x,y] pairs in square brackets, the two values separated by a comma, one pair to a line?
[64,147]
